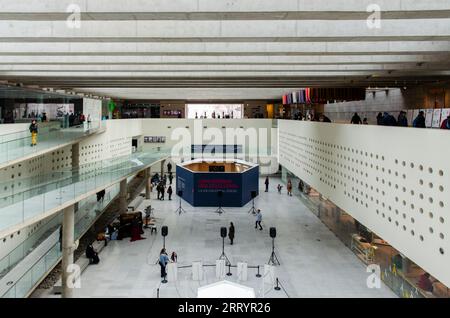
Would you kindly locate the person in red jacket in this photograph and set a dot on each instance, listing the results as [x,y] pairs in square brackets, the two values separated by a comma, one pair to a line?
[446,123]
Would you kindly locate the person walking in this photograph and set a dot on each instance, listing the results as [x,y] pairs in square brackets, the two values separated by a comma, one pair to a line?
[231,233]
[169,167]
[170,178]
[34,132]
[267,184]
[89,121]
[258,219]
[289,187]
[163,260]
[279,187]
[169,192]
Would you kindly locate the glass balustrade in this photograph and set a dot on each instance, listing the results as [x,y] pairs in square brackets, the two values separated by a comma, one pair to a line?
[85,216]
[16,145]
[25,205]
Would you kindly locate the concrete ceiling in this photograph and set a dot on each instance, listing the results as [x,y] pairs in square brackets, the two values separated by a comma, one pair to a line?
[222,49]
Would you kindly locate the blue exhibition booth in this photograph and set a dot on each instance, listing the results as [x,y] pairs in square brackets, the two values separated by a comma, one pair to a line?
[228,183]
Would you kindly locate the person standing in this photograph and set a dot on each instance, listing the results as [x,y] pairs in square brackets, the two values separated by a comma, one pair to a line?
[169,167]
[34,132]
[402,120]
[163,260]
[258,219]
[446,123]
[169,192]
[356,120]
[170,178]
[289,187]
[163,189]
[379,119]
[267,184]
[89,121]
[66,120]
[231,233]
[419,122]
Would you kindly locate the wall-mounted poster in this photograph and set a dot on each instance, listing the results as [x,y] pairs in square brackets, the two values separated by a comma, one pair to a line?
[436,118]
[410,116]
[429,117]
[154,139]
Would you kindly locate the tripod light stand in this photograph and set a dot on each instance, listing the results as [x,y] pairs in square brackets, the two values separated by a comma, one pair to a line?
[219,209]
[180,209]
[273,259]
[223,234]
[253,209]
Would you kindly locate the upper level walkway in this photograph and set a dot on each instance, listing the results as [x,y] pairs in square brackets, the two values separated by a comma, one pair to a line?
[27,207]
[16,146]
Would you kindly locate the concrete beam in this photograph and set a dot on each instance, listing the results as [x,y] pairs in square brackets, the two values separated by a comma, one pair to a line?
[220,6]
[136,68]
[221,60]
[223,73]
[214,31]
[232,48]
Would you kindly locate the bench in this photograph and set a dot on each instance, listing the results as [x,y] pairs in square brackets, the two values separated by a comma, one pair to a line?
[82,262]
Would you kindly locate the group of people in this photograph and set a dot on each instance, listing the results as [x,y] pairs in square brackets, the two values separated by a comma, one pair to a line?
[386,119]
[76,119]
[279,186]
[214,115]
[164,260]
[161,183]
[161,188]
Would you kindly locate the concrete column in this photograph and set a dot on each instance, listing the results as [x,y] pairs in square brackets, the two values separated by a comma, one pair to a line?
[406,265]
[123,196]
[75,155]
[67,251]
[147,183]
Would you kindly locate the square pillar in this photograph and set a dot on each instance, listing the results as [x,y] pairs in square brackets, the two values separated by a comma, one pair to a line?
[147,183]
[123,196]
[68,233]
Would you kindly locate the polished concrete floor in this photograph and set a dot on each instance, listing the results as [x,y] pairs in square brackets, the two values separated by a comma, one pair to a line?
[314,263]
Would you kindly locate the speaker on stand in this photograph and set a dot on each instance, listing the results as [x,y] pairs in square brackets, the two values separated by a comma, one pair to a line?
[223,234]
[180,209]
[219,196]
[164,232]
[273,260]
[253,209]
